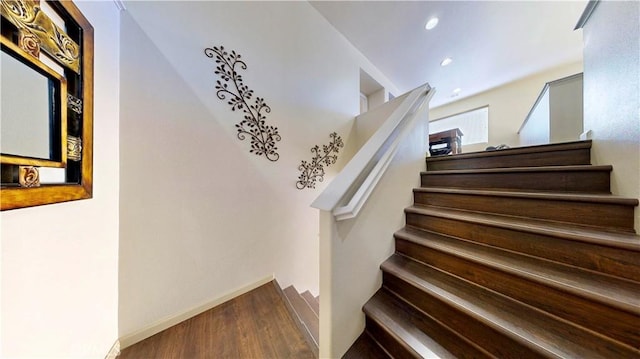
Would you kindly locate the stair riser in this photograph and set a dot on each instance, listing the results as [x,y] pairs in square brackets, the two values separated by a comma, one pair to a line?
[312,302]
[587,181]
[601,215]
[617,324]
[482,285]
[492,341]
[388,342]
[421,282]
[303,312]
[366,347]
[603,259]
[560,158]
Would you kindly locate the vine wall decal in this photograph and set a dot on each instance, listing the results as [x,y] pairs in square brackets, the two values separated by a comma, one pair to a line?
[263,137]
[314,171]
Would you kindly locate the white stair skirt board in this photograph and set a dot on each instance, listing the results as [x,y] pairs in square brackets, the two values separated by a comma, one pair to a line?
[114,351]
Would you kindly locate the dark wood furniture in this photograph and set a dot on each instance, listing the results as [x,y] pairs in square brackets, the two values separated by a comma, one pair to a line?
[452,139]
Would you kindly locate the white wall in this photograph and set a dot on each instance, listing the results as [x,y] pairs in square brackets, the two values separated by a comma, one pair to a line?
[377,98]
[355,248]
[536,130]
[612,92]
[200,215]
[508,105]
[566,110]
[368,123]
[557,116]
[60,262]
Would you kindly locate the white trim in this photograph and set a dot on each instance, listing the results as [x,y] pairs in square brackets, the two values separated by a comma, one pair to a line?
[168,322]
[114,351]
[586,135]
[120,5]
[360,176]
[586,14]
[362,194]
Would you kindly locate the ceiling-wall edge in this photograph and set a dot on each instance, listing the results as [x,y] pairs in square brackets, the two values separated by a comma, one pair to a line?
[586,14]
[120,5]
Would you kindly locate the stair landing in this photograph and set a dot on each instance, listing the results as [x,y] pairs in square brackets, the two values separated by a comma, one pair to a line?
[254,325]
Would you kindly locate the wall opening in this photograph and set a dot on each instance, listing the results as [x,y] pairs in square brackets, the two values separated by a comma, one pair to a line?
[372,93]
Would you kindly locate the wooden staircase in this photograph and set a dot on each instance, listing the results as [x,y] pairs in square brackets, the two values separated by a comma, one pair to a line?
[517,253]
[305,309]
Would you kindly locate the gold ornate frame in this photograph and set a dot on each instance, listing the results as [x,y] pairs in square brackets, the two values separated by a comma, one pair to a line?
[33,31]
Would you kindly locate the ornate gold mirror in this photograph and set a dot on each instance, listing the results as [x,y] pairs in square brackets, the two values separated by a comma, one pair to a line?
[46,107]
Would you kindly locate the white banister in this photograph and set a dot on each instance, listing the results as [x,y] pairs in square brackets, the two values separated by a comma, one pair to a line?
[348,192]
[372,190]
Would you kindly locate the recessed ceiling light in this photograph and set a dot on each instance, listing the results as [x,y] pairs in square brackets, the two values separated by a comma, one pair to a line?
[431,23]
[456,92]
[446,61]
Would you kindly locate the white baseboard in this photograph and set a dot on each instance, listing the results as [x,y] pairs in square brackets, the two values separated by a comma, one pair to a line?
[114,351]
[168,322]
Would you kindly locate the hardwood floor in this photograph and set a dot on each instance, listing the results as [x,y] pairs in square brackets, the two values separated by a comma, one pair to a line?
[254,325]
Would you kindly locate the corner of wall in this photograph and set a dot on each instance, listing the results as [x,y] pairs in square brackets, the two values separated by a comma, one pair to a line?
[612,93]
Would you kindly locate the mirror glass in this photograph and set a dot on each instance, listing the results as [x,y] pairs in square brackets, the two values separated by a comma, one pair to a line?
[26,110]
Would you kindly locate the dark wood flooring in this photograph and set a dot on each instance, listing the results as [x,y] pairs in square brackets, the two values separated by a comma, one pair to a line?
[253,325]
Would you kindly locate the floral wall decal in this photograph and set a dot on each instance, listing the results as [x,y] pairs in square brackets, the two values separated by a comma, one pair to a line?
[262,136]
[313,171]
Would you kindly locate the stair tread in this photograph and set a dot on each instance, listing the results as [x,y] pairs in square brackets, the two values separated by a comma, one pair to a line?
[312,301]
[620,293]
[366,347]
[304,312]
[521,252]
[571,154]
[516,150]
[400,320]
[568,168]
[555,196]
[602,211]
[621,240]
[528,326]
